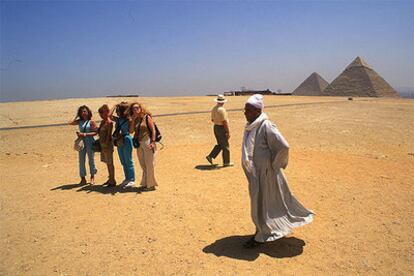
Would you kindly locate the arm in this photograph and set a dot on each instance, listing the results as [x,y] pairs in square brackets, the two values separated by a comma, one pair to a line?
[152,132]
[92,133]
[109,133]
[94,129]
[111,113]
[224,119]
[278,146]
[132,125]
[73,122]
[227,129]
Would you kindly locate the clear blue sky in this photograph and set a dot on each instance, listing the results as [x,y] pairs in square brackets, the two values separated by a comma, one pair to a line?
[84,49]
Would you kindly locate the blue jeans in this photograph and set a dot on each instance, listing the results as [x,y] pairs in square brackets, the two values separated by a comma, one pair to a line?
[82,159]
[125,155]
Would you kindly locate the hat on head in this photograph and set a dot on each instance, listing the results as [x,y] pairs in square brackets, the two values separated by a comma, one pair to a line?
[256,100]
[220,99]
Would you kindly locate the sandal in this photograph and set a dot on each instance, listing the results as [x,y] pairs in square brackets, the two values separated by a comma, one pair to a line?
[252,243]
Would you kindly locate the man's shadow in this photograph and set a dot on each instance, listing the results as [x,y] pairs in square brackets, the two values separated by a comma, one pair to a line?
[97,189]
[68,187]
[232,247]
[207,167]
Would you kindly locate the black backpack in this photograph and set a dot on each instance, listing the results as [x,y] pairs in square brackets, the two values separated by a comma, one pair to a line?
[157,133]
[158,136]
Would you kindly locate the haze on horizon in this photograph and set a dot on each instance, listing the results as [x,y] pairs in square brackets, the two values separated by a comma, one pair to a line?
[89,49]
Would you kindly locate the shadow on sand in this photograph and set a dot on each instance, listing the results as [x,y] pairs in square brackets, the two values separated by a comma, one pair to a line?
[98,189]
[232,247]
[68,187]
[207,167]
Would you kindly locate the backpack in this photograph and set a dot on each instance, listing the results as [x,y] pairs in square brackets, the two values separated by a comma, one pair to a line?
[158,136]
[157,133]
[118,136]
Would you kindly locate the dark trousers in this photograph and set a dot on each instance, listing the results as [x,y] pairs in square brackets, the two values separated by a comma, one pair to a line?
[222,144]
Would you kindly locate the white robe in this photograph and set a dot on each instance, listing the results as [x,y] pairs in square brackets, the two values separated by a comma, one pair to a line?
[274,210]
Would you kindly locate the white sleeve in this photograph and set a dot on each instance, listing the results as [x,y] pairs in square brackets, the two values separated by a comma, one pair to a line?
[278,146]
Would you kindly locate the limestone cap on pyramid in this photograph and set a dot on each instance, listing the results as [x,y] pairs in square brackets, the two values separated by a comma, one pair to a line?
[359,62]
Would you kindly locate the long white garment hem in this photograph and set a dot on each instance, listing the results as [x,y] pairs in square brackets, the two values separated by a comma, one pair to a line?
[275,211]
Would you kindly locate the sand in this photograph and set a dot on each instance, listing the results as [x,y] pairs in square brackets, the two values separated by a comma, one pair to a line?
[351,162]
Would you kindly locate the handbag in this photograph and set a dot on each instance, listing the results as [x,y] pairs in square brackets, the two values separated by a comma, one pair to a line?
[117,136]
[96,146]
[79,144]
[135,142]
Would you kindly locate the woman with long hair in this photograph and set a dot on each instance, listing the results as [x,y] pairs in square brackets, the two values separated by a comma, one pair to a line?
[142,125]
[124,142]
[107,146]
[87,129]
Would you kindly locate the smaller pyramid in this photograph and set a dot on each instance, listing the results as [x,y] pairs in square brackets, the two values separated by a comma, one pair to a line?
[360,80]
[312,86]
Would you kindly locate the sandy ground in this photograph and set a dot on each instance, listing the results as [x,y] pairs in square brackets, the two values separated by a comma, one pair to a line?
[352,162]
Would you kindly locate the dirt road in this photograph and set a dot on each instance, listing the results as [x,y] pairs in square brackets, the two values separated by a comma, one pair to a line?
[352,162]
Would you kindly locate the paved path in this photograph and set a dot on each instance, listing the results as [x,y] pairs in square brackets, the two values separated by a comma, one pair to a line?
[182,114]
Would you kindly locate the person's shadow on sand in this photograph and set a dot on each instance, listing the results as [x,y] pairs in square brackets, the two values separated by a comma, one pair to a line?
[207,167]
[97,189]
[68,187]
[232,247]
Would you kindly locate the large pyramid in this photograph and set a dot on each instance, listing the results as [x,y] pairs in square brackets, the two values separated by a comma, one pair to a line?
[360,80]
[312,86]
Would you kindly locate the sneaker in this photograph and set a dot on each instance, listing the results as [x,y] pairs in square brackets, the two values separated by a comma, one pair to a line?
[209,159]
[123,183]
[109,184]
[252,243]
[130,184]
[149,189]
[228,165]
[83,182]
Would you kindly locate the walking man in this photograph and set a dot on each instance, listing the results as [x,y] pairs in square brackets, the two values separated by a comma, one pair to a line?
[274,210]
[221,132]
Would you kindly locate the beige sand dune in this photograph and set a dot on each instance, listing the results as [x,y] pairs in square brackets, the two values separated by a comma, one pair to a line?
[352,162]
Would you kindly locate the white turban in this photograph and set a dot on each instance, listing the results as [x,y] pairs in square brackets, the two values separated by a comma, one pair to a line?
[256,100]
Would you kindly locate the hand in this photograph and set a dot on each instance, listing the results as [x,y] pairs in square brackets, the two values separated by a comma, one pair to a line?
[228,135]
[151,146]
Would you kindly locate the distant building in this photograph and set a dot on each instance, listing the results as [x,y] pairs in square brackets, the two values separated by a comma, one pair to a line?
[123,96]
[246,92]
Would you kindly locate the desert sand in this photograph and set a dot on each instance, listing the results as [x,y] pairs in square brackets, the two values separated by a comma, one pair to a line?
[351,162]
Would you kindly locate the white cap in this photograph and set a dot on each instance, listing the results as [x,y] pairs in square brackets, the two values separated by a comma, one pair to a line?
[256,100]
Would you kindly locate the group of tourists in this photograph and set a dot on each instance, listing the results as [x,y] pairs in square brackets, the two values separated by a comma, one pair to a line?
[274,209]
[124,126]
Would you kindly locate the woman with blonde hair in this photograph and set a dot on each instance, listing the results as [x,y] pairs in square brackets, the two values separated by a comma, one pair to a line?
[143,127]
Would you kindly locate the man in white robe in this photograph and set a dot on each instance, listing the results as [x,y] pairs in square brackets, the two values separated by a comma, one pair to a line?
[274,210]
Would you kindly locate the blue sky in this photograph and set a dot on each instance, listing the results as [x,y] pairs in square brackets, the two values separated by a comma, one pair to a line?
[160,48]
